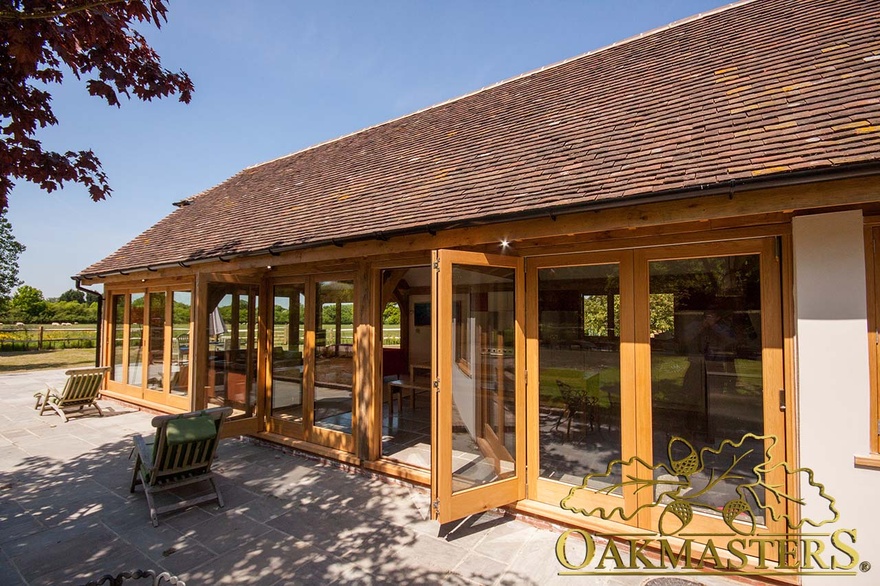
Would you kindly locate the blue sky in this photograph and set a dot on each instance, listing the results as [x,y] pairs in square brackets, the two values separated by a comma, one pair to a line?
[273,77]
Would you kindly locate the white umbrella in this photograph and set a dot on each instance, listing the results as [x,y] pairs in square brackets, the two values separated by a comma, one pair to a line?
[216,326]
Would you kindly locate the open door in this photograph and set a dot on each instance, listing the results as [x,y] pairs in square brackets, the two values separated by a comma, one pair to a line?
[478,432]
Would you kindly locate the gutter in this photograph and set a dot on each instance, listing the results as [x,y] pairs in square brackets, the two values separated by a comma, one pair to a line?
[729,188]
[99,329]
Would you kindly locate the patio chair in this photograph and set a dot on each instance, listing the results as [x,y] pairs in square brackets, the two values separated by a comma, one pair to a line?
[181,454]
[183,349]
[578,401]
[574,401]
[81,390]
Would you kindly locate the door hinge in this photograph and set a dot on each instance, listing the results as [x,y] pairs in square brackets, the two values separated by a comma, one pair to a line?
[436,384]
[436,506]
[436,265]
[782,405]
[878,427]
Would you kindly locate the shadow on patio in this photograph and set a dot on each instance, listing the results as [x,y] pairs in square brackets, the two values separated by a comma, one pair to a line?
[67,517]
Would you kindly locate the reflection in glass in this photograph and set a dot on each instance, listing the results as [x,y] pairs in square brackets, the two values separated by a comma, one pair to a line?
[706,370]
[136,340]
[579,372]
[118,337]
[334,361]
[483,376]
[289,302]
[232,349]
[156,363]
[180,317]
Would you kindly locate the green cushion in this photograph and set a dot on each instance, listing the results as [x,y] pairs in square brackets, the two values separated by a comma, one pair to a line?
[191,429]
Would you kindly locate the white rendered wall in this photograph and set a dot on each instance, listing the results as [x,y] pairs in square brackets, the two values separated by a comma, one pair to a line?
[833,378]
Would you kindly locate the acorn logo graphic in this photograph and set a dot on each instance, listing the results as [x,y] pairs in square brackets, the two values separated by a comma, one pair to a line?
[684,482]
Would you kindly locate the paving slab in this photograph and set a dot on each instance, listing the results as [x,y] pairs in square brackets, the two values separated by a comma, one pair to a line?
[265,560]
[479,569]
[226,531]
[9,574]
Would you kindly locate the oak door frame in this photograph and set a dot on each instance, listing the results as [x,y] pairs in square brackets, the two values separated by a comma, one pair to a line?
[551,491]
[448,505]
[772,359]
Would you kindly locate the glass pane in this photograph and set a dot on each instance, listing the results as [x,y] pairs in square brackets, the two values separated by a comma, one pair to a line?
[706,381]
[156,364]
[136,340]
[579,373]
[406,365]
[181,312]
[483,375]
[289,324]
[232,350]
[118,337]
[334,361]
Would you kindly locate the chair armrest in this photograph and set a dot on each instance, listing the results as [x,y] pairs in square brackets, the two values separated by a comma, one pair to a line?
[45,394]
[144,452]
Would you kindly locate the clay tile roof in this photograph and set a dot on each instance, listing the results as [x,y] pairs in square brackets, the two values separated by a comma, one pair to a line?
[756,89]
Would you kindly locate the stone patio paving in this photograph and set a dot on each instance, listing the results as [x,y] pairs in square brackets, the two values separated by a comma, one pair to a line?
[67,517]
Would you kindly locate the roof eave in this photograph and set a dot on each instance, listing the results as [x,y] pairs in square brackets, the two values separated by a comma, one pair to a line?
[727,188]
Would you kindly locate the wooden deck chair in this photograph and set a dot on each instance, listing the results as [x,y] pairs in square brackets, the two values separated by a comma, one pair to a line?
[81,390]
[181,453]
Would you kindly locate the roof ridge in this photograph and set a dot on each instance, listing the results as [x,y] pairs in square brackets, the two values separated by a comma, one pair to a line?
[636,37]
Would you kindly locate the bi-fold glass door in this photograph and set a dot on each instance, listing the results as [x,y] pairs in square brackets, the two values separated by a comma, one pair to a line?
[231,348]
[479,403]
[582,399]
[149,331]
[709,332]
[311,372]
[655,378]
[654,385]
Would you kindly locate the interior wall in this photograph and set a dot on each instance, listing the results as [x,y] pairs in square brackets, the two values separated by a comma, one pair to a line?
[833,377]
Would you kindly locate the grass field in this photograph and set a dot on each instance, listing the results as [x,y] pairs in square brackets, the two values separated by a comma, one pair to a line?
[68,358]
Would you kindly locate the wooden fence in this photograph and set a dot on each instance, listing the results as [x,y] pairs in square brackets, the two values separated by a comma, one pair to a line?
[32,338]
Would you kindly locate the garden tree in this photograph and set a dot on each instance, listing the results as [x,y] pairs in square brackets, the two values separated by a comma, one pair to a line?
[226,312]
[662,312]
[391,314]
[10,250]
[596,314]
[328,313]
[73,295]
[95,39]
[71,311]
[28,304]
[281,315]
[181,312]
